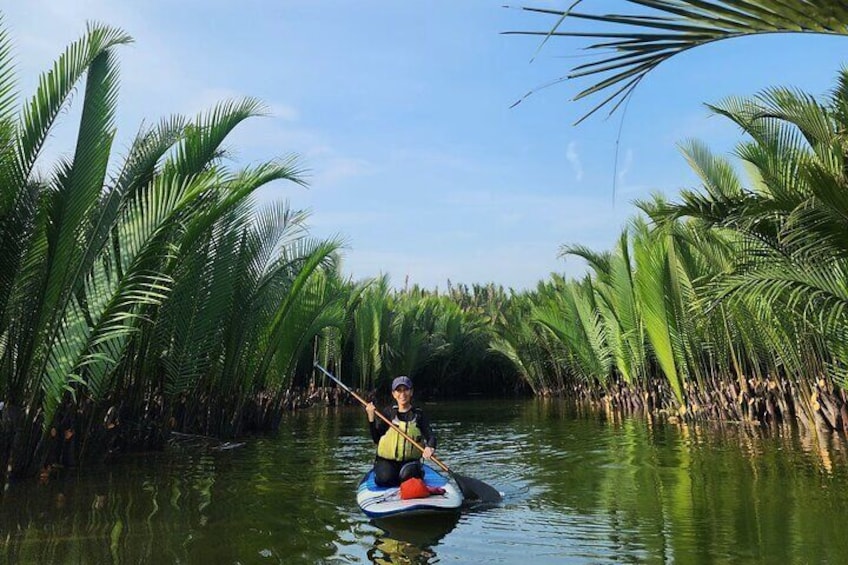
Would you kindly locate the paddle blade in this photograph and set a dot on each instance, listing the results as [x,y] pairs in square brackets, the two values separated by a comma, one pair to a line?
[474,489]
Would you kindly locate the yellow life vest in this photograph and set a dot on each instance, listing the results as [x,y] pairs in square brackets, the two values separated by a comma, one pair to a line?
[396,447]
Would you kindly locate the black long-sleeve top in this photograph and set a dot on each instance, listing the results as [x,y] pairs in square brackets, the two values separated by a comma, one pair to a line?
[378,427]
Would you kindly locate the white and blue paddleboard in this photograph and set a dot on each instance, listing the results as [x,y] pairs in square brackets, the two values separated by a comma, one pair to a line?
[380,502]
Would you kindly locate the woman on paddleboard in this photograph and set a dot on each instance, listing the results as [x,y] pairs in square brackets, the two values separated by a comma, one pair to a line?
[397,458]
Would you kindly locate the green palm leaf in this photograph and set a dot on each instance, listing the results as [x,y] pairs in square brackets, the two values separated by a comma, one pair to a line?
[56,85]
[92,335]
[577,324]
[317,307]
[368,331]
[190,326]
[201,145]
[8,86]
[655,287]
[303,264]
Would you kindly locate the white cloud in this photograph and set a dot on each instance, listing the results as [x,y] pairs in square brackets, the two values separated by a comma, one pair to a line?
[574,159]
[622,187]
[284,112]
[338,169]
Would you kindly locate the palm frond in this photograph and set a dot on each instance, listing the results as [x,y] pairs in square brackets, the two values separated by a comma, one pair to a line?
[320,252]
[653,283]
[670,27]
[201,145]
[316,308]
[92,333]
[8,84]
[56,85]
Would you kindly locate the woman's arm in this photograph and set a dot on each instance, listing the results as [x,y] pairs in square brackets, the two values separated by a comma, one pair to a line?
[427,436]
[377,427]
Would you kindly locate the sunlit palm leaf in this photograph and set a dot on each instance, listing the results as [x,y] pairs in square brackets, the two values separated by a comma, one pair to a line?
[408,340]
[191,324]
[654,284]
[8,86]
[577,324]
[12,219]
[817,289]
[316,308]
[119,286]
[617,304]
[72,241]
[201,144]
[50,284]
[264,280]
[505,346]
[56,85]
[368,336]
[147,150]
[788,229]
[235,188]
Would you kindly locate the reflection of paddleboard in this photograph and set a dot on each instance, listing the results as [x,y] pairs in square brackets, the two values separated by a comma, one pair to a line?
[423,530]
[379,502]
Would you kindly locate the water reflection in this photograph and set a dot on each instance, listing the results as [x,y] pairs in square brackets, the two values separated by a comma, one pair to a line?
[410,539]
[694,493]
[580,488]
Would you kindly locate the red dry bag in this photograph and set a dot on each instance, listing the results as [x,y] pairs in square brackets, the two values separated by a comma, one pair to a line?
[413,488]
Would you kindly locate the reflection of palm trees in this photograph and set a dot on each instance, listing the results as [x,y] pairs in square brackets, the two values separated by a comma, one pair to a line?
[387,550]
[410,539]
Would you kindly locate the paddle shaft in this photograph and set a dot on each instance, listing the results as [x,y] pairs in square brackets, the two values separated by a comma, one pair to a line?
[380,415]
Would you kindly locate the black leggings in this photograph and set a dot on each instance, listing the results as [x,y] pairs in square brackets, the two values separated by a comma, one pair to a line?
[388,473]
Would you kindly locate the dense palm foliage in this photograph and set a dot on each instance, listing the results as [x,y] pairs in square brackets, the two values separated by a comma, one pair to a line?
[127,288]
[737,294]
[739,290]
[443,341]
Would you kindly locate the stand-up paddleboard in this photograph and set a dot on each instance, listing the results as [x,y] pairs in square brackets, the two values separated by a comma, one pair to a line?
[471,489]
[379,502]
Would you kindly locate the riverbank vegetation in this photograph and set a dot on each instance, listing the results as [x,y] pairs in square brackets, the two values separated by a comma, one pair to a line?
[736,292]
[141,289]
[146,293]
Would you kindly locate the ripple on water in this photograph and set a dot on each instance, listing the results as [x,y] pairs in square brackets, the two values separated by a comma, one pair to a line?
[577,490]
[513,534]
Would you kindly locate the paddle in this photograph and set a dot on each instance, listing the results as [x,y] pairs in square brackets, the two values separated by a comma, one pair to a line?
[472,489]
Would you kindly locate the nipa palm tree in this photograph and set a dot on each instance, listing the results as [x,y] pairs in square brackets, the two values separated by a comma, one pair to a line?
[93,257]
[791,217]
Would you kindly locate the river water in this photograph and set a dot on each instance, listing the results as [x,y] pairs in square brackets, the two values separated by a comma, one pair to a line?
[578,488]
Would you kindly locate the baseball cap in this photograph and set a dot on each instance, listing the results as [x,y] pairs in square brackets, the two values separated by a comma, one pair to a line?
[401,381]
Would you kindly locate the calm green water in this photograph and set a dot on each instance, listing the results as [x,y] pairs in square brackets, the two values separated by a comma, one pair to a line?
[578,489]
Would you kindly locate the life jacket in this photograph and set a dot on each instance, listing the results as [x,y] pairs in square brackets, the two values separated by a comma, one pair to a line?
[394,446]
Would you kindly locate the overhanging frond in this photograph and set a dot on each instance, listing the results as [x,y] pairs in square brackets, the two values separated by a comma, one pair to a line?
[632,45]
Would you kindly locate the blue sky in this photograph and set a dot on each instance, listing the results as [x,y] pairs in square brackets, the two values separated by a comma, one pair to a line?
[401,113]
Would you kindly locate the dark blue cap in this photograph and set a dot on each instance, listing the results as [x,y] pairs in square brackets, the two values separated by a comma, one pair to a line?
[401,381]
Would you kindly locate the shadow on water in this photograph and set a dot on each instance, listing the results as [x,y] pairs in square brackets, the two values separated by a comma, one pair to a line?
[410,539]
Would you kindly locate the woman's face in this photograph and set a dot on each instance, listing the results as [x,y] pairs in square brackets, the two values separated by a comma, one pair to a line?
[403,396]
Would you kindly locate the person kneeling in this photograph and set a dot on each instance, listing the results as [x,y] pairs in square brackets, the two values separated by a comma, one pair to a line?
[397,459]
